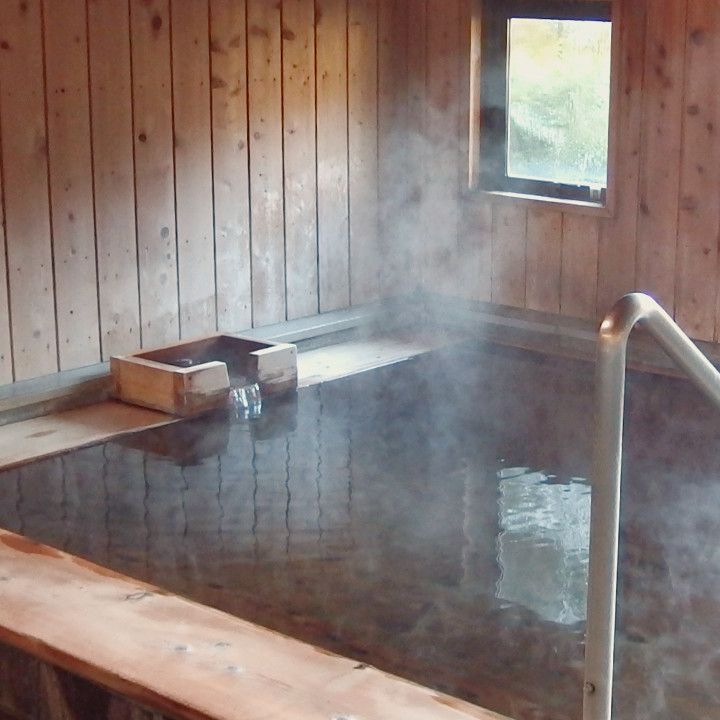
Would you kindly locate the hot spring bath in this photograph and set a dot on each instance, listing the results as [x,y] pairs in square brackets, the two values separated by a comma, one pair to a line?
[430,519]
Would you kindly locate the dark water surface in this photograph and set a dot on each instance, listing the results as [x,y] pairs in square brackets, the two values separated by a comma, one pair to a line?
[430,519]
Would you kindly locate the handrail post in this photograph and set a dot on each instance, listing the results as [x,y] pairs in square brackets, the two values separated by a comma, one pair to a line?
[606,475]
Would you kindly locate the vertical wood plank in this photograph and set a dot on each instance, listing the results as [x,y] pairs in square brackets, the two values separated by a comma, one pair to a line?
[395,212]
[112,142]
[154,170]
[509,230]
[362,150]
[193,166]
[618,234]
[696,297]
[230,164]
[660,150]
[578,279]
[442,129]
[6,375]
[412,241]
[473,277]
[71,190]
[266,176]
[301,252]
[332,153]
[474,80]
[544,251]
[27,211]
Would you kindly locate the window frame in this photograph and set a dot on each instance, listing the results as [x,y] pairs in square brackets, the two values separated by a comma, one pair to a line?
[488,140]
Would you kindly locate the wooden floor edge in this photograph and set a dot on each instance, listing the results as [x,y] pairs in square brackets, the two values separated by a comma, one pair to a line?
[186,659]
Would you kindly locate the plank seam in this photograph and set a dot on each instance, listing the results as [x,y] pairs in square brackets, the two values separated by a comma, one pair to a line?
[171,64]
[48,165]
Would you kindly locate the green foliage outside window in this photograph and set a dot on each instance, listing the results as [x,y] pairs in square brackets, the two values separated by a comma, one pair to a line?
[558,98]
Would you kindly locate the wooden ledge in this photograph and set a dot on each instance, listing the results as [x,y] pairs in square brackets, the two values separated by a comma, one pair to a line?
[186,659]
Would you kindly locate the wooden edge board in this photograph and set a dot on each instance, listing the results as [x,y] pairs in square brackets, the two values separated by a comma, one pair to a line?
[187,659]
[42,437]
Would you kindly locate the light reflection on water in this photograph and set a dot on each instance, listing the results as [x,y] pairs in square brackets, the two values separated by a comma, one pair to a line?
[543,543]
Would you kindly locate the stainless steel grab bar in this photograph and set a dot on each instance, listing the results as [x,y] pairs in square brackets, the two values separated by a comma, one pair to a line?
[635,308]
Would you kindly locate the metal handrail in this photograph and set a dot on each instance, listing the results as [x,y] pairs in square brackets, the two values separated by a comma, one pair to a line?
[635,308]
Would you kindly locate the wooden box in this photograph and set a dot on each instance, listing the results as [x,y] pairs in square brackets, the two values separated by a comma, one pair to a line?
[192,376]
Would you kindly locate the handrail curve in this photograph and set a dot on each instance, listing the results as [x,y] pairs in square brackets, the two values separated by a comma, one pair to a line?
[631,310]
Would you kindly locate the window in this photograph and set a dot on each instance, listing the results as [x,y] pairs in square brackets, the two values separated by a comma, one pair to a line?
[545,98]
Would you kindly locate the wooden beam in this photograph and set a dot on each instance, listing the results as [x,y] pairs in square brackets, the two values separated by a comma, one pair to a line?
[187,659]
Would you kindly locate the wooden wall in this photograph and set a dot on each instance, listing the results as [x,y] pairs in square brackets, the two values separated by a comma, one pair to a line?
[173,167]
[662,237]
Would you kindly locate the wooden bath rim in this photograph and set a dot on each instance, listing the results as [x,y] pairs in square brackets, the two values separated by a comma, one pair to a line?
[187,659]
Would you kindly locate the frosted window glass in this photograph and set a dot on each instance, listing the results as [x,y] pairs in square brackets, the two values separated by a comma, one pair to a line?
[558,100]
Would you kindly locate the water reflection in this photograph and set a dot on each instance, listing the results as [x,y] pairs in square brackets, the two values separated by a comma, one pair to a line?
[543,544]
[368,516]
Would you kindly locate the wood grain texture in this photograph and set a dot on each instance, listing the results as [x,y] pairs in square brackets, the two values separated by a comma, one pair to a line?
[509,274]
[412,245]
[266,171]
[300,177]
[617,243]
[443,124]
[659,237]
[332,153]
[154,171]
[193,167]
[25,186]
[185,659]
[661,147]
[74,428]
[544,260]
[578,278]
[474,278]
[400,173]
[228,82]
[113,175]
[71,183]
[366,256]
[696,297]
